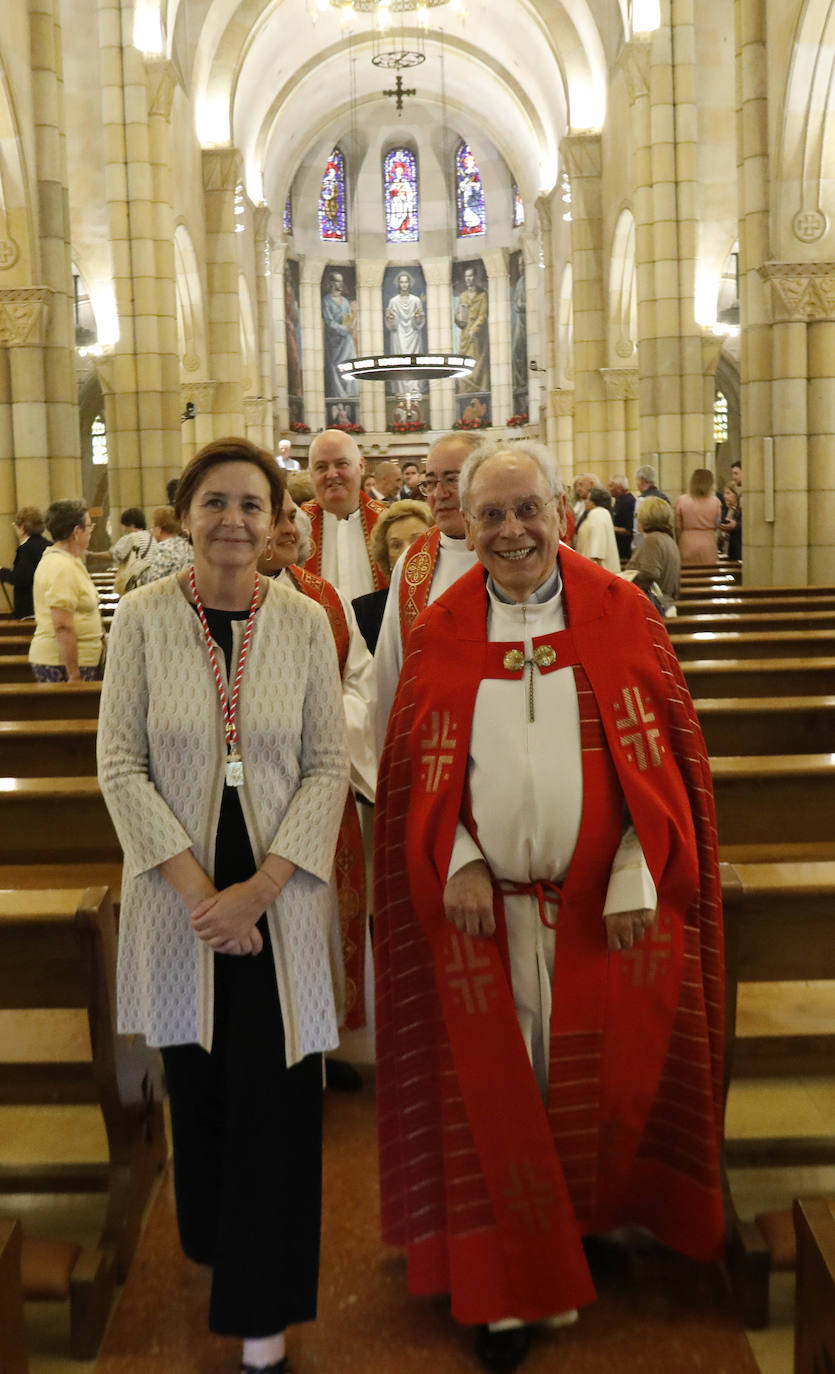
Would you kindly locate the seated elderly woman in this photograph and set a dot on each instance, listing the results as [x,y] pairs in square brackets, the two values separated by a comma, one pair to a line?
[394,532]
[222,761]
[657,558]
[68,642]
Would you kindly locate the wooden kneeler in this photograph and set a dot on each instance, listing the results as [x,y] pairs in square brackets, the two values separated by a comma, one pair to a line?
[58,950]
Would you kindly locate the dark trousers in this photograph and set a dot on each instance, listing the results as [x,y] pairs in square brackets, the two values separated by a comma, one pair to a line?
[248,1156]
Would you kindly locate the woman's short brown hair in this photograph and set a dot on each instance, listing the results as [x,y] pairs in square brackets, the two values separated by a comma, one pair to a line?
[62,517]
[30,519]
[701,482]
[398,510]
[231,450]
[165,520]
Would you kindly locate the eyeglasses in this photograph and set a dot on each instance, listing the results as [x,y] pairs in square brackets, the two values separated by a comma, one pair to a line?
[447,479]
[526,512]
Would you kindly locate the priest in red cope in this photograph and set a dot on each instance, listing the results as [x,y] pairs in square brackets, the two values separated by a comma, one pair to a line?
[549,1002]
[342,516]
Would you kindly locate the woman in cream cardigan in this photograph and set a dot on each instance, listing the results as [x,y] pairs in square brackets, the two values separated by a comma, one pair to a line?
[227,801]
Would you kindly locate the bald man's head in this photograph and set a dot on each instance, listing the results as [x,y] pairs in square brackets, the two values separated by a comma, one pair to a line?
[336,468]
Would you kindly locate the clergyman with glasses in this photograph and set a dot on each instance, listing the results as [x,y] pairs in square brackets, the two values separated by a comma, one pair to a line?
[435,560]
[549,1001]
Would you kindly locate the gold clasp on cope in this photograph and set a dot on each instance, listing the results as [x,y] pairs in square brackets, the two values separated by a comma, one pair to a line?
[544,655]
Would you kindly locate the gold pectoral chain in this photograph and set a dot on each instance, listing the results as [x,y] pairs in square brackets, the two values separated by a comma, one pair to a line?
[543,657]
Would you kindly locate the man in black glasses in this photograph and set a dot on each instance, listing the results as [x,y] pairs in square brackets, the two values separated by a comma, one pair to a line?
[433,563]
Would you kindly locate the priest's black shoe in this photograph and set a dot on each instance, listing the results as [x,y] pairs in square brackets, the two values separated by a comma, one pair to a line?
[281,1366]
[502,1349]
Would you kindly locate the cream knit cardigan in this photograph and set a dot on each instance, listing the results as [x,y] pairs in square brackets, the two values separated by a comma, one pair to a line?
[161,758]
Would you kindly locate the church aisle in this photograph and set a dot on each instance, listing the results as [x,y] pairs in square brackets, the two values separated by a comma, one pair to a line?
[655,1311]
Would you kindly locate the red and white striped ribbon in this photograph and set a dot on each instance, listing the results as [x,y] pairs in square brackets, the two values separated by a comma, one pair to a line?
[229,708]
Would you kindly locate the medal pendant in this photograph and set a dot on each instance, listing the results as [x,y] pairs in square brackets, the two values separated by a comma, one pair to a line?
[234,771]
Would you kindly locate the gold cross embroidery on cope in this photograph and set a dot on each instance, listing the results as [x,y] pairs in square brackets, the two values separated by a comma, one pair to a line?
[637,731]
[469,975]
[531,1197]
[649,961]
[437,752]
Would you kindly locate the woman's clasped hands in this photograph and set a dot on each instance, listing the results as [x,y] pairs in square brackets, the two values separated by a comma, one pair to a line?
[227,920]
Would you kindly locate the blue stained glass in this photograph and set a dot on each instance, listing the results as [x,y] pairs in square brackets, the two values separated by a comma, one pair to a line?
[400,190]
[333,217]
[469,194]
[288,213]
[518,207]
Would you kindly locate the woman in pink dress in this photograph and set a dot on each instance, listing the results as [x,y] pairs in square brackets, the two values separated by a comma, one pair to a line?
[697,519]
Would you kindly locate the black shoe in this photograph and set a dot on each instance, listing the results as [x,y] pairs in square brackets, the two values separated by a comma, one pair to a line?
[342,1077]
[502,1349]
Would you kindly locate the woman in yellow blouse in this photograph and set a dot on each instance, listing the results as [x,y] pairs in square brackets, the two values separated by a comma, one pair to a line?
[67,643]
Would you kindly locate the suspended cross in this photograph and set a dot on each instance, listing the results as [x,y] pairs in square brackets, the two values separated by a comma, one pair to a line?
[399,92]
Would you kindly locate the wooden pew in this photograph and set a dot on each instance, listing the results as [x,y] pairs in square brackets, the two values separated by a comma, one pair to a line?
[745,620]
[15,668]
[758,677]
[778,926]
[814,1311]
[15,644]
[12,1334]
[734,644]
[44,748]
[766,725]
[58,950]
[704,603]
[49,701]
[749,593]
[772,800]
[55,820]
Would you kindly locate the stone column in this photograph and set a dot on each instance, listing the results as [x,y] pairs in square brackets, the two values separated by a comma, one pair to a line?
[622,389]
[162,370]
[821,452]
[546,359]
[582,157]
[222,171]
[534,300]
[23,333]
[263,306]
[257,421]
[372,340]
[8,492]
[200,430]
[279,254]
[438,273]
[562,410]
[501,381]
[635,61]
[313,347]
[50,375]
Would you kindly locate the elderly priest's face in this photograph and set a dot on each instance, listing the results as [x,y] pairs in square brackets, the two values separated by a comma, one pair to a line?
[514,523]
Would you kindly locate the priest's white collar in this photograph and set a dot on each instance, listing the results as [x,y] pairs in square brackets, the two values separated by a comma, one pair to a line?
[454,545]
[354,515]
[551,587]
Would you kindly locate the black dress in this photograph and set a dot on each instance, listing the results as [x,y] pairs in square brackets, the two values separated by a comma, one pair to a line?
[247,1130]
[22,574]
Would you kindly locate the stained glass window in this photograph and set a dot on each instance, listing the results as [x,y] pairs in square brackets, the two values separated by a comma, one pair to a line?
[518,208]
[400,191]
[288,213]
[333,215]
[469,194]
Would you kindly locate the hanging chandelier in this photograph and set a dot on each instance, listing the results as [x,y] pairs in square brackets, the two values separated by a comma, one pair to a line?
[397,6]
[434,367]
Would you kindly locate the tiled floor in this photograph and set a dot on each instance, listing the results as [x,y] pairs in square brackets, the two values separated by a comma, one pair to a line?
[762,1107]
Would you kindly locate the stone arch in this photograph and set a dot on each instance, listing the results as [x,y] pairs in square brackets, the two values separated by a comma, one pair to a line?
[192,345]
[623,296]
[805,212]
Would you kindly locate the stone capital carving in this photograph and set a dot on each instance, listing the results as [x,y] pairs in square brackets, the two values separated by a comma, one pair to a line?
[261,221]
[620,383]
[581,154]
[370,272]
[161,77]
[24,311]
[201,395]
[802,291]
[438,272]
[255,410]
[495,263]
[633,62]
[222,169]
[531,248]
[562,401]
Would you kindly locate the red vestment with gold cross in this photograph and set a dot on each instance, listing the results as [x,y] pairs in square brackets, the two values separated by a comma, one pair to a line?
[489,1190]
[370,512]
[416,578]
[349,860]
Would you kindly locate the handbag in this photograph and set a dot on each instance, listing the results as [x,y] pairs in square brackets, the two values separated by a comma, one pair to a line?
[128,572]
